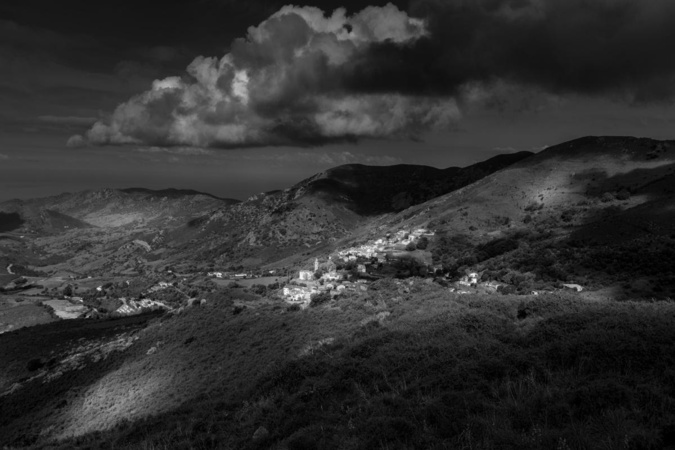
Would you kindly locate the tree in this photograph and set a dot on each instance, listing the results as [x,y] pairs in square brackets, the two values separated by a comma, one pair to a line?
[318,299]
[422,243]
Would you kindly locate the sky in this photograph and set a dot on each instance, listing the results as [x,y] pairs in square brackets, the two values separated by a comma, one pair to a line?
[238,97]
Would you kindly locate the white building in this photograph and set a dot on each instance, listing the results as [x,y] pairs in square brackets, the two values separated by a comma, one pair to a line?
[306,275]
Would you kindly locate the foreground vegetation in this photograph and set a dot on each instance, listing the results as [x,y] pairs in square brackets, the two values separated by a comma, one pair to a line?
[406,365]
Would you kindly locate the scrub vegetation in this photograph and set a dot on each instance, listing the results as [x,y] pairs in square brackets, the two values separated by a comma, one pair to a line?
[407,365]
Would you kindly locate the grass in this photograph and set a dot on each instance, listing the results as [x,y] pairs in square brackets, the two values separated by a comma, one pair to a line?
[403,366]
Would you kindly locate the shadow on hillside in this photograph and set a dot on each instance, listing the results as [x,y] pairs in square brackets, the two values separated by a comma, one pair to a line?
[449,372]
[10,221]
[654,182]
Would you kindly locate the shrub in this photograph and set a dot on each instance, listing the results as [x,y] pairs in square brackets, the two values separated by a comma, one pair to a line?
[623,194]
[259,289]
[34,364]
[567,216]
[423,243]
[318,299]
[410,247]
[534,206]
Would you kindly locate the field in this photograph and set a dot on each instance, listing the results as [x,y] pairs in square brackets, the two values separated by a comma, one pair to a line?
[248,282]
[18,312]
[65,309]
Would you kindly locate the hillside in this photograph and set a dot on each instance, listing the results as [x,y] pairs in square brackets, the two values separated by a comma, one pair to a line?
[406,365]
[596,211]
[319,210]
[372,190]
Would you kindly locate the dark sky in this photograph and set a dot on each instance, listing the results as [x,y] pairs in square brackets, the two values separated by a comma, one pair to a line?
[436,82]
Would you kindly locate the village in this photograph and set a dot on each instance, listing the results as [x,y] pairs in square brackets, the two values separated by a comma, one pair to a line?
[365,263]
[400,255]
[353,268]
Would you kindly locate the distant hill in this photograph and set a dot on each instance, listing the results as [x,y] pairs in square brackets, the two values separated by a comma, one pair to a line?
[113,207]
[371,190]
[174,193]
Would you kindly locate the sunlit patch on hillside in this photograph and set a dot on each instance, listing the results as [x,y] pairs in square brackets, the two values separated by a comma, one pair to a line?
[125,394]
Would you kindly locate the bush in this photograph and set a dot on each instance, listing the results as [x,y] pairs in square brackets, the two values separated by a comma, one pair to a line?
[410,247]
[34,364]
[318,299]
[423,243]
[567,216]
[623,194]
[259,289]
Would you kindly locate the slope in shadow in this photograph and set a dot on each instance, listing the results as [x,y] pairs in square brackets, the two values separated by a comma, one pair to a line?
[10,221]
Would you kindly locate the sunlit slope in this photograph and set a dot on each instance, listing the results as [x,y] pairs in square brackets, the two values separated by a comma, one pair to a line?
[571,184]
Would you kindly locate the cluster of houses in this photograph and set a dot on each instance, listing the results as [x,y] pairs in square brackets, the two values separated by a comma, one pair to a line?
[130,307]
[473,280]
[310,282]
[379,247]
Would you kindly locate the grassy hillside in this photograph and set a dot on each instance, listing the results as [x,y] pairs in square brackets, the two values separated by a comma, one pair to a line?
[405,365]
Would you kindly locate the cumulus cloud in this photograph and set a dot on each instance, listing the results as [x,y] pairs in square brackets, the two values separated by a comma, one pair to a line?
[303,77]
[284,84]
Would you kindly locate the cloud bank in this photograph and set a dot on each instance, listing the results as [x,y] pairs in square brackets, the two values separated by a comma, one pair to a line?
[284,84]
[302,77]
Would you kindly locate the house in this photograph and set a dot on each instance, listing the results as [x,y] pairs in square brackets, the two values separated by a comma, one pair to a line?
[361,268]
[573,287]
[470,279]
[298,294]
[332,276]
[306,275]
[240,275]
